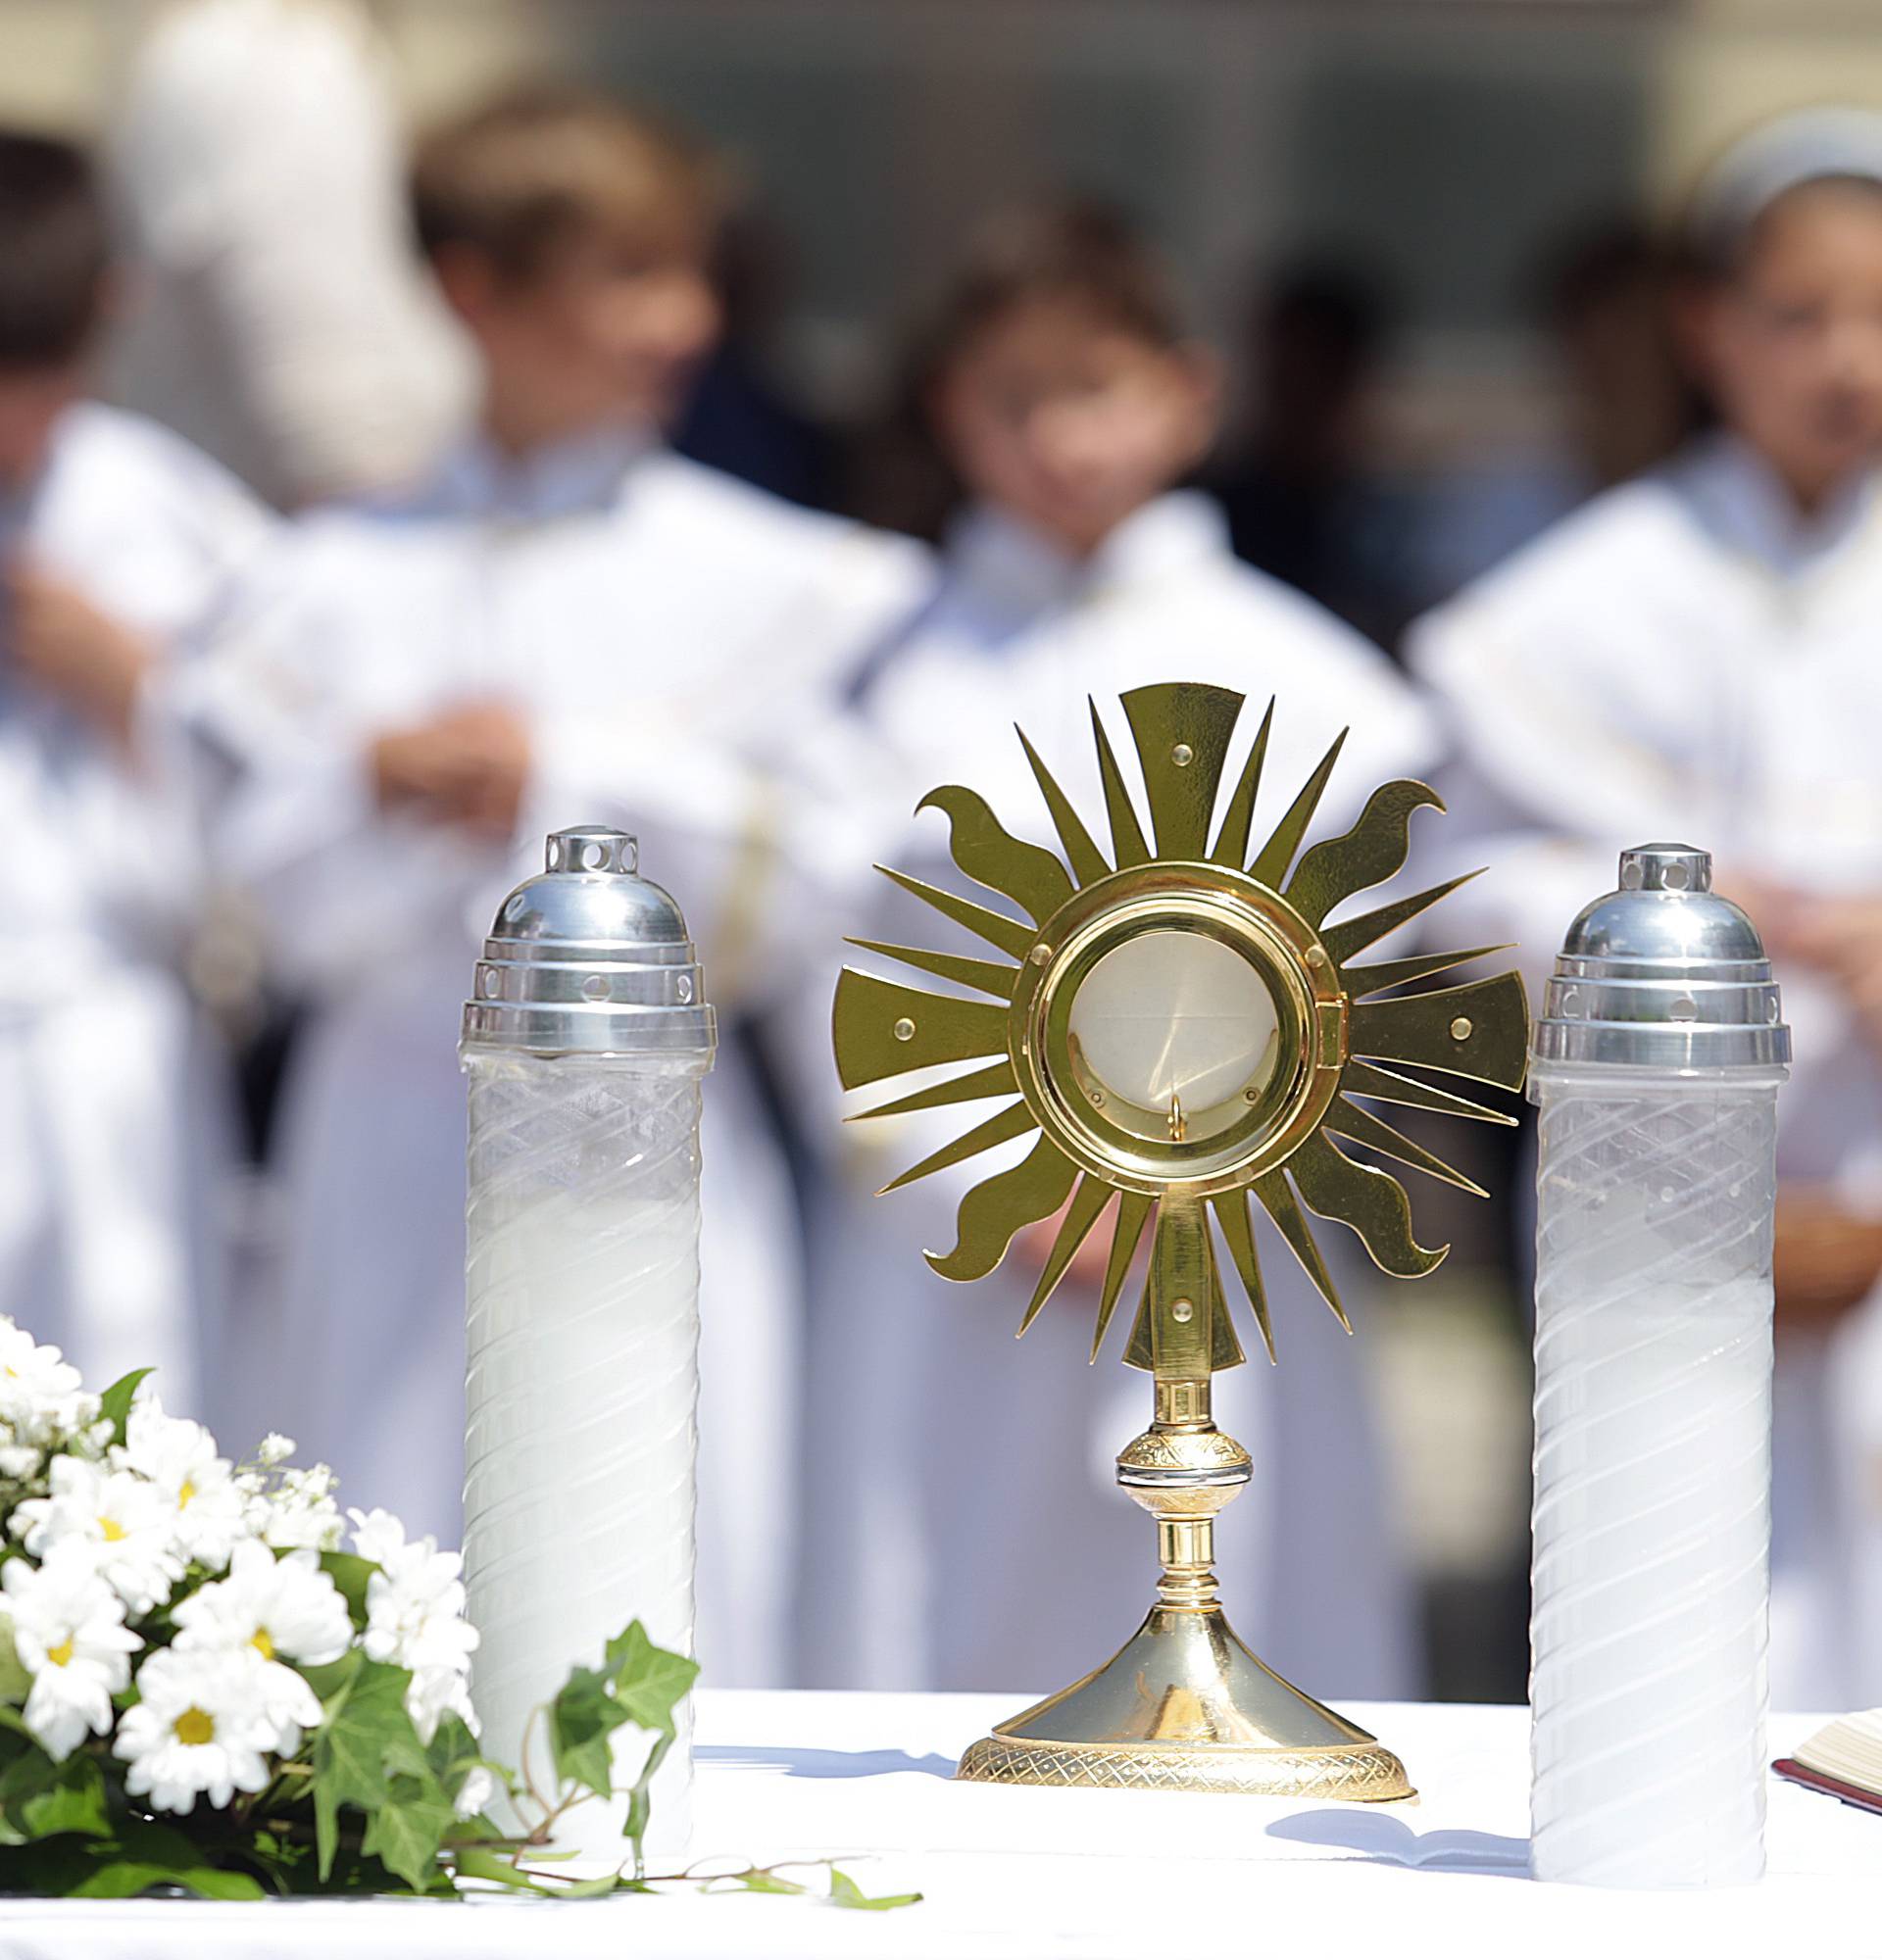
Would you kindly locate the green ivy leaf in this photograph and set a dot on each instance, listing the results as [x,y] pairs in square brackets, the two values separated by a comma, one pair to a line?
[766,1882]
[365,1717]
[474,1829]
[598,1888]
[474,1864]
[125,1877]
[351,1574]
[134,1859]
[16,1684]
[648,1679]
[73,1801]
[115,1403]
[846,1893]
[406,1832]
[581,1718]
[29,1773]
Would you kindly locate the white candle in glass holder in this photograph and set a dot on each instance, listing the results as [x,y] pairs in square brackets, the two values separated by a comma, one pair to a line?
[584,1047]
[1656,1074]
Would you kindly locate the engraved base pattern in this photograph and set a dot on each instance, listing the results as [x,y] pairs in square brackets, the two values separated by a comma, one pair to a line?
[1362,1775]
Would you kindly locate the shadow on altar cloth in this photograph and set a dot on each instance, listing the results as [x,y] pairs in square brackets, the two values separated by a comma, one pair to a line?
[1389,1841]
[826,1763]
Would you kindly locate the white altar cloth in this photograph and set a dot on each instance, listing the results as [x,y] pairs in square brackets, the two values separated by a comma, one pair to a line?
[1023,1875]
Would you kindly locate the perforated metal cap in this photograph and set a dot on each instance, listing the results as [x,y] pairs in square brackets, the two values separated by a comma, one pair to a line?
[1663,973]
[589,958]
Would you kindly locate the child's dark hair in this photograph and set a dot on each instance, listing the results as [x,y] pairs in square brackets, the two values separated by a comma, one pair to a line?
[1075,251]
[54,251]
[516,177]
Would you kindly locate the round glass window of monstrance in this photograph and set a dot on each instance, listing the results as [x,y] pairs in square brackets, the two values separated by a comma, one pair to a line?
[1174,1036]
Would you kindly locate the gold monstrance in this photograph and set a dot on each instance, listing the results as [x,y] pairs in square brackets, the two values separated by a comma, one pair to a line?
[1183,1029]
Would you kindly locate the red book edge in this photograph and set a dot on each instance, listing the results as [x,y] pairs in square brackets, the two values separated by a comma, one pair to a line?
[1847,1792]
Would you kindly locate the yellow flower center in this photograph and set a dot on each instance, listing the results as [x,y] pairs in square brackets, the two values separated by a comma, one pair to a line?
[185,1493]
[263,1644]
[60,1656]
[112,1530]
[195,1725]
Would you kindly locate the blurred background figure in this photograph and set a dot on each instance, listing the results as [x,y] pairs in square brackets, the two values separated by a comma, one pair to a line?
[119,550]
[275,313]
[1692,655]
[1604,300]
[1300,496]
[1064,390]
[739,415]
[567,623]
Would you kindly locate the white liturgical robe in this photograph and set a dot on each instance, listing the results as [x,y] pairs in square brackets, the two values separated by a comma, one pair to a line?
[661,628]
[107,1124]
[968,1531]
[1686,659]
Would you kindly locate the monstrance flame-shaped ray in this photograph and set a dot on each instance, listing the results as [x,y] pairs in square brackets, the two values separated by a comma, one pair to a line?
[1182,734]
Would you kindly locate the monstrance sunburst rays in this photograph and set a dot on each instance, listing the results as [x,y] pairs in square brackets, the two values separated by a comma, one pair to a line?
[1228,1036]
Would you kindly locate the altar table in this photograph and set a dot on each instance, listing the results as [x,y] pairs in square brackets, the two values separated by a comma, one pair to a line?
[1024,1874]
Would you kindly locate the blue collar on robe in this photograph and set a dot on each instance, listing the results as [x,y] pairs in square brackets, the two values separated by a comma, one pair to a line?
[566,479]
[1006,577]
[1737,499]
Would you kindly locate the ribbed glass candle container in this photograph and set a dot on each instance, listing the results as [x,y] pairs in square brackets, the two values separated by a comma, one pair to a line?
[1655,1071]
[585,1046]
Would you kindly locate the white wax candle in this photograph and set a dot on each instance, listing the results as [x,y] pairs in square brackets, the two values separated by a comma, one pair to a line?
[1652,1524]
[583,1326]
[1651,1579]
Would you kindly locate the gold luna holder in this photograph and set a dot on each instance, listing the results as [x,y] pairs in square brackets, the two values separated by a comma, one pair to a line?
[1180,1030]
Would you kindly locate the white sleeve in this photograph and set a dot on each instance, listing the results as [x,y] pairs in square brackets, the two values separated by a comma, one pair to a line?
[766,846]
[1553,775]
[291,818]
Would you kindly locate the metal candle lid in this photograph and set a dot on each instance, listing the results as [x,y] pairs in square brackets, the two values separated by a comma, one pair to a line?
[1663,973]
[589,958]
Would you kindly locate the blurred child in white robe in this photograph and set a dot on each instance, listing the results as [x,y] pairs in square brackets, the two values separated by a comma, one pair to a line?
[570,624]
[967,1529]
[1694,656]
[120,549]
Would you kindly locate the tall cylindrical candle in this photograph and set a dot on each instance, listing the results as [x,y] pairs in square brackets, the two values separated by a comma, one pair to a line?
[1656,1072]
[584,1047]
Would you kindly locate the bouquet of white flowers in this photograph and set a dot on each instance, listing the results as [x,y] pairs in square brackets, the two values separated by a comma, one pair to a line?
[208,1680]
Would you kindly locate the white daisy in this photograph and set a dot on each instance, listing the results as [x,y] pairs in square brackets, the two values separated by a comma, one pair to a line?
[437,1692]
[201,1728]
[120,1515]
[41,1397]
[69,1633]
[285,1610]
[414,1617]
[299,1511]
[32,1375]
[475,1793]
[207,1506]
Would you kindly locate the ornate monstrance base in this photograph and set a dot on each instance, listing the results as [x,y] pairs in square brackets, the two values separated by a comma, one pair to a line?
[1185,1706]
